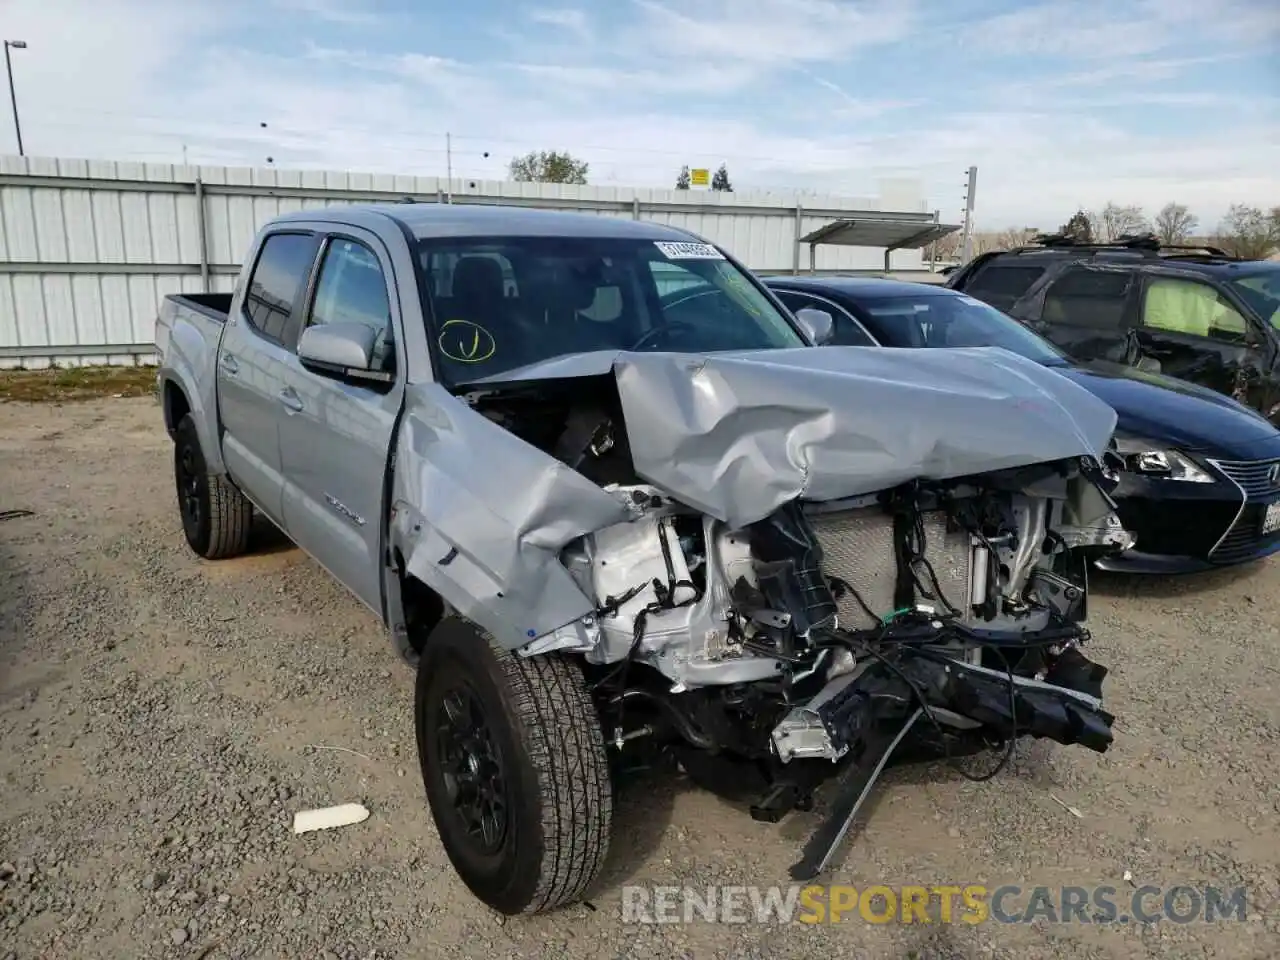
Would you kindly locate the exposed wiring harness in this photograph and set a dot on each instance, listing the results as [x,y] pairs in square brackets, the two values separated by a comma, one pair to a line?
[883,634]
[664,599]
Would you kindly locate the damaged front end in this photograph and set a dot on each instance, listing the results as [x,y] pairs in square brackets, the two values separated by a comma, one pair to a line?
[810,641]
[797,583]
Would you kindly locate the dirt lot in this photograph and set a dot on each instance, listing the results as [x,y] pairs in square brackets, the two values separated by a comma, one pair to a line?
[161,718]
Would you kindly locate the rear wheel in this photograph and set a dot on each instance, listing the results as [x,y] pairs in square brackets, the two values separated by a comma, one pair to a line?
[514,765]
[216,516]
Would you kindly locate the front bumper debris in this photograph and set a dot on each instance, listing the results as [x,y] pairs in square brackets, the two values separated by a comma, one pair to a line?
[862,718]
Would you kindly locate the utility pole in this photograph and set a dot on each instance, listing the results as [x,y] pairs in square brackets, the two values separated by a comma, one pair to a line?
[13,93]
[967,243]
[933,247]
[448,159]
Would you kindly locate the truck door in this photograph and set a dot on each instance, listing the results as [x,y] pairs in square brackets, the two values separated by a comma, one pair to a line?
[335,435]
[251,365]
[1198,334]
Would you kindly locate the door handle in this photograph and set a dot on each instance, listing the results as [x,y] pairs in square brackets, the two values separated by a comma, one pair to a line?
[230,364]
[290,400]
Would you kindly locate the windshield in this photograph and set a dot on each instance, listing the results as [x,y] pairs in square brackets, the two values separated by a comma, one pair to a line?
[1261,291]
[946,319]
[504,302]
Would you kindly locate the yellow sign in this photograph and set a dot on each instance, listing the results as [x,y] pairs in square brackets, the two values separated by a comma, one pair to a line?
[701,177]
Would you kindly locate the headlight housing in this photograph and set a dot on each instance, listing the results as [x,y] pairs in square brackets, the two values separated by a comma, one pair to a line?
[1149,458]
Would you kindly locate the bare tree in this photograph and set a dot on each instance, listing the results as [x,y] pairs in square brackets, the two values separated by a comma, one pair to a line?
[1115,221]
[1249,232]
[948,247]
[1006,239]
[1012,237]
[549,166]
[984,242]
[1078,227]
[1174,223]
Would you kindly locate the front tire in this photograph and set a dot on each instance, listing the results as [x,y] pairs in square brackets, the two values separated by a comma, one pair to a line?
[216,516]
[515,770]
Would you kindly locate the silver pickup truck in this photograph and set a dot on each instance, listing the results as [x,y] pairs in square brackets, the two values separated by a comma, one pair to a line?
[613,505]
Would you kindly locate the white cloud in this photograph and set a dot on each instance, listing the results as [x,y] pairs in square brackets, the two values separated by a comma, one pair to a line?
[135,79]
[574,21]
[1105,30]
[850,107]
[343,12]
[1137,69]
[773,31]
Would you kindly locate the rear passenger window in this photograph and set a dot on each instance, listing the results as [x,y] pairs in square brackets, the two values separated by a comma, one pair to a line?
[281,270]
[1001,285]
[1094,299]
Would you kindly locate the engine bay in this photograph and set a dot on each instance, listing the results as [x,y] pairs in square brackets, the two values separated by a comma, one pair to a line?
[825,631]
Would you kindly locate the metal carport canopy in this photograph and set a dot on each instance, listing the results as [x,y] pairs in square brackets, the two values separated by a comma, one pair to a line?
[890,232]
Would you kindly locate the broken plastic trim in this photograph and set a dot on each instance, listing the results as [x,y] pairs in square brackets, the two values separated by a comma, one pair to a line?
[869,717]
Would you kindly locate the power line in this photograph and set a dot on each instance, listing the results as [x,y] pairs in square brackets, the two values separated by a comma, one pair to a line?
[183,130]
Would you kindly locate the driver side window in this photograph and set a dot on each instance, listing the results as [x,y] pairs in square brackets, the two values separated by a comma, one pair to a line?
[1191,308]
[353,289]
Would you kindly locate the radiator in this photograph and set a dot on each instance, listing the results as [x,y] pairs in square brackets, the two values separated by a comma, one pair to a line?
[858,549]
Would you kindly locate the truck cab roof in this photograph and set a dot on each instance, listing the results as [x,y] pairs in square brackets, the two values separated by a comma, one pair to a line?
[425,221]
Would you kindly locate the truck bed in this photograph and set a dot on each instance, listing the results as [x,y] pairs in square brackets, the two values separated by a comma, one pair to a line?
[216,306]
[187,333]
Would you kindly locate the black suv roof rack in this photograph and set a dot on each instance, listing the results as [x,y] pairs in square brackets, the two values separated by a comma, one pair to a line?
[1143,244]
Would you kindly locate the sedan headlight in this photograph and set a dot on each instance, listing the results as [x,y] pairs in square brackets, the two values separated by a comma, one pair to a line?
[1150,459]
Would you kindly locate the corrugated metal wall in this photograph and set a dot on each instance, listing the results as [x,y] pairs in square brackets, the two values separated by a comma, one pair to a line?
[88,248]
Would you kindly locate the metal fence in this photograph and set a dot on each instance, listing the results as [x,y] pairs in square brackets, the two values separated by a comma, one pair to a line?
[89,248]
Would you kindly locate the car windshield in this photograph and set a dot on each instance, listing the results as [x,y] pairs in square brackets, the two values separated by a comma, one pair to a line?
[498,303]
[947,319]
[1261,291]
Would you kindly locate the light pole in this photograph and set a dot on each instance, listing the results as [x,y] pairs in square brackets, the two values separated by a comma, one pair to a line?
[13,94]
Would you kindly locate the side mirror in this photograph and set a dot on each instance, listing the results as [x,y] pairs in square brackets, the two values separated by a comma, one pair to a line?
[341,350]
[818,325]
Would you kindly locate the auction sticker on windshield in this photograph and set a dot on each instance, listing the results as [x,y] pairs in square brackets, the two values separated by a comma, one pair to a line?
[1271,520]
[680,250]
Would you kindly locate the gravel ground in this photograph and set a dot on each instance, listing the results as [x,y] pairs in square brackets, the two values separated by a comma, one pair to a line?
[161,718]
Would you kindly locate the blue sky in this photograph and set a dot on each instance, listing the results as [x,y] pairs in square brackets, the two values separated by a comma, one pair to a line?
[1060,104]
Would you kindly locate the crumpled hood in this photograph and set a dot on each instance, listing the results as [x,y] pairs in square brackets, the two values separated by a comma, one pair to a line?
[737,435]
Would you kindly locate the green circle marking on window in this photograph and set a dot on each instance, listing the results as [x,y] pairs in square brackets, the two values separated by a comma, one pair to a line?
[465,342]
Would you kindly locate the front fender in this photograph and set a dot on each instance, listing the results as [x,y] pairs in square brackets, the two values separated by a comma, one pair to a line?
[480,517]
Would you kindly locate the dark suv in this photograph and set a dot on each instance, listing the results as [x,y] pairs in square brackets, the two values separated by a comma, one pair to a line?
[1195,313]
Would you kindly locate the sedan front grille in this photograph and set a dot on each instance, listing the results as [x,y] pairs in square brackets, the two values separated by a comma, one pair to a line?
[858,548]
[1255,477]
[1259,482]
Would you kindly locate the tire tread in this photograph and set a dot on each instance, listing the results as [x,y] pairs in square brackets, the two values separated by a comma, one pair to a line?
[230,519]
[563,736]
[230,511]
